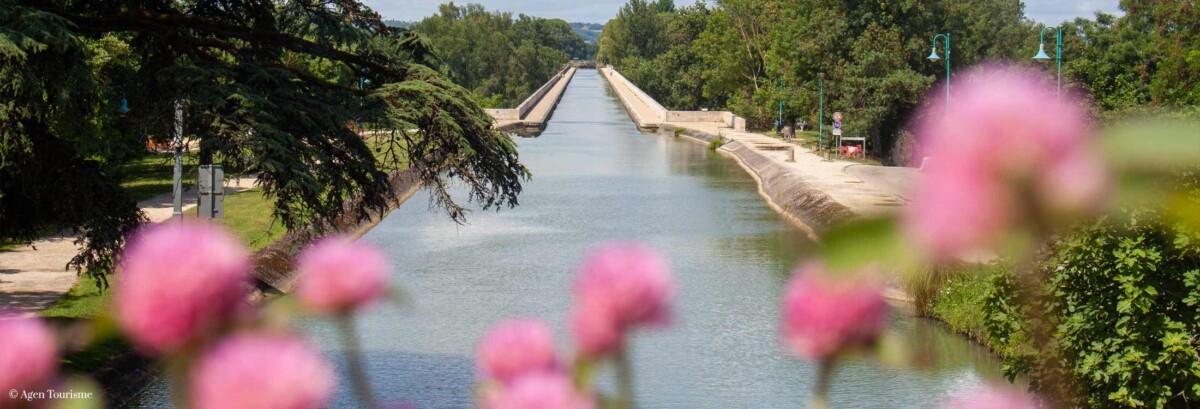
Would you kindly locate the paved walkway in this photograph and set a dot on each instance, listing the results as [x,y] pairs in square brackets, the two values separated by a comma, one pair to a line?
[863,189]
[35,276]
[540,114]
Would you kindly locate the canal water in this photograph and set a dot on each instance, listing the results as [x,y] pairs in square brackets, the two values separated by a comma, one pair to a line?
[596,178]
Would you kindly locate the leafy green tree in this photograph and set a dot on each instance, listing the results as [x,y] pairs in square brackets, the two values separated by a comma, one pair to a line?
[271,84]
[638,31]
[1173,28]
[502,59]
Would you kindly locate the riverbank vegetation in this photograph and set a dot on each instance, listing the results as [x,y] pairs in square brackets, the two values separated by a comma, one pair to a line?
[1121,300]
[500,57]
[751,56]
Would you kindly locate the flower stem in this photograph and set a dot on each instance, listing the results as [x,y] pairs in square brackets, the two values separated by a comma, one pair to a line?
[624,380]
[358,373]
[820,398]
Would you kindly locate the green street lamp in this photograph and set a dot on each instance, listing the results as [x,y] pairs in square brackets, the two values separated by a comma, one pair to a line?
[779,121]
[821,113]
[933,56]
[1058,46]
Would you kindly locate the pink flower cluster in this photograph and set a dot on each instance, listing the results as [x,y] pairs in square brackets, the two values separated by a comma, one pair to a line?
[519,355]
[547,390]
[1009,146]
[619,286]
[252,371]
[177,292]
[339,276]
[824,315]
[177,282]
[515,348]
[28,356]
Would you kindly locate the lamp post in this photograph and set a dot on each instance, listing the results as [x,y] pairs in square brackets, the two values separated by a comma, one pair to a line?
[933,56]
[1058,46]
[177,145]
[779,121]
[821,112]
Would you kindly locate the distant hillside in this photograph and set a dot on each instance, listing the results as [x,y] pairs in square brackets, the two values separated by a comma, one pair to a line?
[398,23]
[589,31]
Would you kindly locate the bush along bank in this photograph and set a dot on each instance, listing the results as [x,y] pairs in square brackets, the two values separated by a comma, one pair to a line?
[1121,303]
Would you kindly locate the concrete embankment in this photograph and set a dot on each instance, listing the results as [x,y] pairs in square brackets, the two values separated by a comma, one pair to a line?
[807,190]
[533,113]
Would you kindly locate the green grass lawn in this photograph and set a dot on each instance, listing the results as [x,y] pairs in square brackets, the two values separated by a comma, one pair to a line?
[153,175]
[84,300]
[9,245]
[247,214]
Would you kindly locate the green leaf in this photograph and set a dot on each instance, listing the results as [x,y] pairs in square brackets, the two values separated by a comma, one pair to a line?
[867,242]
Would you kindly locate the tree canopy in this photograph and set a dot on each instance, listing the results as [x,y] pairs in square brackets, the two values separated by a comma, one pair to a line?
[748,56]
[502,59]
[273,85]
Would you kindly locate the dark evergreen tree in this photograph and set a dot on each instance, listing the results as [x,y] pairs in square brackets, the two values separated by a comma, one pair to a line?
[271,84]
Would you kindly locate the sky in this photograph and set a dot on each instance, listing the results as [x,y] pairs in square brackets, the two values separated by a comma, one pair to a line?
[600,11]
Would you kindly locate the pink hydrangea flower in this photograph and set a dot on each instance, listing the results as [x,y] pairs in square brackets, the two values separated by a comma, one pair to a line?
[517,347]
[252,371]
[339,275]
[997,397]
[824,315]
[542,390]
[28,355]
[619,285]
[1009,144]
[176,281]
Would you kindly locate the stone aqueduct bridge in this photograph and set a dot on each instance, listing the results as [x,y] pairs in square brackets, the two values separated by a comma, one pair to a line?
[808,190]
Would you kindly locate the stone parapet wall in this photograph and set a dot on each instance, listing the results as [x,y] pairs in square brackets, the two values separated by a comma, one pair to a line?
[660,113]
[533,100]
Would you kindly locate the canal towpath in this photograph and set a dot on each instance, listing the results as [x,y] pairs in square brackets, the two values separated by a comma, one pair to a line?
[809,190]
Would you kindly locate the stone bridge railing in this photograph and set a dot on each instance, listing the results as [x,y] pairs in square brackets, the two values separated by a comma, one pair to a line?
[522,110]
[662,115]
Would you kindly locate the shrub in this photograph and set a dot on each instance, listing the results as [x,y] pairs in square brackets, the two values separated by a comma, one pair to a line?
[1122,303]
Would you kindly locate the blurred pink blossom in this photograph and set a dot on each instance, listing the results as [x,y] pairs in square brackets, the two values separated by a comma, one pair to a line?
[543,390]
[28,356]
[1008,145]
[515,348]
[619,285]
[176,281]
[996,397]
[251,371]
[824,315]
[339,275]
[593,327]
